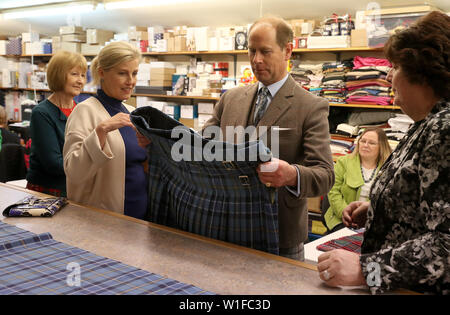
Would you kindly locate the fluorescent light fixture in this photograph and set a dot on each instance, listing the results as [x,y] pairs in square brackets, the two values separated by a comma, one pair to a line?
[141,3]
[10,4]
[49,10]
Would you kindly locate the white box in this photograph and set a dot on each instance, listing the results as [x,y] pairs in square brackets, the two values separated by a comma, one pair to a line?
[307,28]
[3,47]
[188,111]
[30,37]
[161,45]
[162,64]
[213,44]
[342,41]
[205,108]
[201,38]
[142,101]
[226,43]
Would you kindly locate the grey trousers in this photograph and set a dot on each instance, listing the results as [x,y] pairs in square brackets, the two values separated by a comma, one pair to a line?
[296,252]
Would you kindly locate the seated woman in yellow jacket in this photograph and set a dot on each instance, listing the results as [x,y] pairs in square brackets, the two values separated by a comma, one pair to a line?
[354,174]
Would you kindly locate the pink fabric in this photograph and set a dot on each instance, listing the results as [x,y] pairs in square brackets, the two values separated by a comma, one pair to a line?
[369,99]
[359,62]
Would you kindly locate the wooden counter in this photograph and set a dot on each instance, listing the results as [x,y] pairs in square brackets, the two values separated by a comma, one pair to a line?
[212,265]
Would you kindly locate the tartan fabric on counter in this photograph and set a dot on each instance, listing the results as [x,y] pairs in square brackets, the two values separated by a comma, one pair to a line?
[224,200]
[351,243]
[37,264]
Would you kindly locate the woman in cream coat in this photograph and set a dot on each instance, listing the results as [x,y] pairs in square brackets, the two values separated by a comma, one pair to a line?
[102,159]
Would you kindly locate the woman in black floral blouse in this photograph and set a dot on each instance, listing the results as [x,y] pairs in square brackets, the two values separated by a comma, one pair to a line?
[407,241]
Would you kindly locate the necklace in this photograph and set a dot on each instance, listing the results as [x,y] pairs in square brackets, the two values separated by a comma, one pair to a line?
[371,176]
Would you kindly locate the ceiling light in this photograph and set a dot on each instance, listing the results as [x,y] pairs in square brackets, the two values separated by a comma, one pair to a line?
[49,10]
[140,3]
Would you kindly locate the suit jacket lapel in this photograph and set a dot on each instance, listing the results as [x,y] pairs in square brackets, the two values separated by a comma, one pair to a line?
[243,106]
[280,104]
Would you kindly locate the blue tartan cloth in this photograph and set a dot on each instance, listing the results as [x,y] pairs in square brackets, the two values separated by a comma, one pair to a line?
[37,264]
[221,199]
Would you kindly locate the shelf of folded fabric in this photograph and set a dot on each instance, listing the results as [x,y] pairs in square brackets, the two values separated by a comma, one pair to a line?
[365,106]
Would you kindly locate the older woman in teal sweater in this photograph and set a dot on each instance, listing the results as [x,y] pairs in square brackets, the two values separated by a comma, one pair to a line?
[354,174]
[66,76]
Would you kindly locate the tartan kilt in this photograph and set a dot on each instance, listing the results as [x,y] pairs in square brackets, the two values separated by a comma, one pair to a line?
[221,200]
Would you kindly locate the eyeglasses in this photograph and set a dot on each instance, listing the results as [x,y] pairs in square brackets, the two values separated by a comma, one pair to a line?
[371,143]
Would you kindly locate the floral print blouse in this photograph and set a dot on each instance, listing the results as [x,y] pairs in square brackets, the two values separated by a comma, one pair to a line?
[407,241]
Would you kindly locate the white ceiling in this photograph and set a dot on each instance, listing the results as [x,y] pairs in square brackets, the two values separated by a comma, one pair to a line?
[200,13]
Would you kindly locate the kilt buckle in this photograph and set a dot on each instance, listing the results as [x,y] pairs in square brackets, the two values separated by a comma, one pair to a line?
[228,165]
[244,180]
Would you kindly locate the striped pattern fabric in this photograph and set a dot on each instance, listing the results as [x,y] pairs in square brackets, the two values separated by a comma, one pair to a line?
[37,264]
[221,200]
[351,243]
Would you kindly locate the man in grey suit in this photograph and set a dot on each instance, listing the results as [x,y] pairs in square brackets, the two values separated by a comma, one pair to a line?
[305,167]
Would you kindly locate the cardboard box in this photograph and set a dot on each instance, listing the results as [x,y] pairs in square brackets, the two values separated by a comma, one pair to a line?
[72,47]
[74,38]
[161,76]
[134,28]
[297,26]
[190,122]
[314,204]
[154,82]
[171,44]
[70,29]
[88,49]
[137,35]
[97,36]
[359,38]
[180,43]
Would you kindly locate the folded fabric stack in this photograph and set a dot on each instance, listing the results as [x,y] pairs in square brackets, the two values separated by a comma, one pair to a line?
[366,82]
[309,76]
[333,82]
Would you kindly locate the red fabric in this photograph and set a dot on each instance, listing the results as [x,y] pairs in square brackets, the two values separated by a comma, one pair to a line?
[359,62]
[68,111]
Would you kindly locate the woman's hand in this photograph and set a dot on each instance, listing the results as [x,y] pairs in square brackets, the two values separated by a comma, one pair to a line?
[340,267]
[355,214]
[115,122]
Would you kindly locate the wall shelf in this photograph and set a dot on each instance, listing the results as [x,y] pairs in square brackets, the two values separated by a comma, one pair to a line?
[229,52]
[209,98]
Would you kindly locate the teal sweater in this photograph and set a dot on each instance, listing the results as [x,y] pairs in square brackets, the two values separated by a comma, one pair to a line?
[47,127]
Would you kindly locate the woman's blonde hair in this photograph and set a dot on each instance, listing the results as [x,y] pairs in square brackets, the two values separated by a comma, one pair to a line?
[60,65]
[112,55]
[385,148]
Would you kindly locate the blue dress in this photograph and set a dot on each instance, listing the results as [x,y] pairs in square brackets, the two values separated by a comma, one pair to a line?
[136,183]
